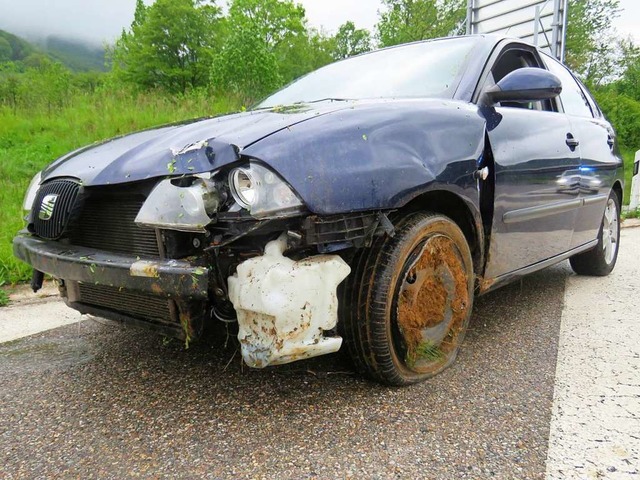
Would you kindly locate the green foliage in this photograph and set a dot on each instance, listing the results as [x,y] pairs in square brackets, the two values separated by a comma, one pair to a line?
[266,37]
[37,60]
[629,82]
[47,85]
[170,45]
[610,67]
[76,55]
[411,20]
[623,112]
[4,297]
[304,53]
[350,41]
[6,52]
[273,21]
[31,136]
[590,46]
[246,66]
[20,49]
[628,156]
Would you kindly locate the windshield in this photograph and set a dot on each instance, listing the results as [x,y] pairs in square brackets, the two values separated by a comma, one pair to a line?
[428,69]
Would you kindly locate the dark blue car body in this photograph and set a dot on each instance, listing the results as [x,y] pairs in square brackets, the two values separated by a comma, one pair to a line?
[527,186]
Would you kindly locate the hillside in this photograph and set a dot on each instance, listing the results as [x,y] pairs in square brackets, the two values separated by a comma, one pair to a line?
[74,54]
[13,48]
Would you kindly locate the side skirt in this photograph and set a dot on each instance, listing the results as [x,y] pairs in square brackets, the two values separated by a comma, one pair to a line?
[489,284]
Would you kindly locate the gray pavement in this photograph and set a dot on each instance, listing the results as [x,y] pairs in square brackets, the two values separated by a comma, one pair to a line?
[94,400]
[595,428]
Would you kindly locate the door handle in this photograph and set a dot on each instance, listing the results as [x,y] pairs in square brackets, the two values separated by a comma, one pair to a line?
[610,141]
[571,141]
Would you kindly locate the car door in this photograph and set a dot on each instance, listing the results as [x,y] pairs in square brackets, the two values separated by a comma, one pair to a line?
[536,173]
[598,158]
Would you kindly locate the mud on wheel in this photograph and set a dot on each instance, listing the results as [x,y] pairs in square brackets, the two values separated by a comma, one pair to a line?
[407,304]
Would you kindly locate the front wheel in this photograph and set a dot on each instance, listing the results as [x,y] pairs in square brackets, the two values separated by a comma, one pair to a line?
[407,304]
[600,260]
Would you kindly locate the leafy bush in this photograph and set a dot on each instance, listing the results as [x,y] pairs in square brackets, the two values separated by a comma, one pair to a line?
[4,296]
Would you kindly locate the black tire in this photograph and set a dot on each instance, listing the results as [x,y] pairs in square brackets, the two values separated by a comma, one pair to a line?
[406,305]
[597,261]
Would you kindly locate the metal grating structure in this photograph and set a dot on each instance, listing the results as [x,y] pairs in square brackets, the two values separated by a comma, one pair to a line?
[135,304]
[107,223]
[539,22]
[53,208]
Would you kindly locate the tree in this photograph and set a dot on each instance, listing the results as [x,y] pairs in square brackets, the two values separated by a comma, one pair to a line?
[37,61]
[274,21]
[405,21]
[590,44]
[629,82]
[303,54]
[246,67]
[263,37]
[350,41]
[170,45]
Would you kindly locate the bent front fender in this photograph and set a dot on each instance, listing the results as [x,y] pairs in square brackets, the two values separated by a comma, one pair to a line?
[378,156]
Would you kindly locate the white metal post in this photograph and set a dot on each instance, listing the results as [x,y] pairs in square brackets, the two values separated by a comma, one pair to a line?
[556,34]
[536,26]
[565,20]
[635,185]
[470,17]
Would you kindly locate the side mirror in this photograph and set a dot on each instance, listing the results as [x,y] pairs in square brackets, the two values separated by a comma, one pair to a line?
[522,86]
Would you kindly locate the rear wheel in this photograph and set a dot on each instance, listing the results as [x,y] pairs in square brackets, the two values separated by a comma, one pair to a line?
[600,260]
[407,304]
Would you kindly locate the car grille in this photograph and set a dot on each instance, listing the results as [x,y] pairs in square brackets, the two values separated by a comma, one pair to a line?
[106,222]
[65,196]
[134,304]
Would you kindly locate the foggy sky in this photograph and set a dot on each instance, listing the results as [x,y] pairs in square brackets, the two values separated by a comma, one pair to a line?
[101,21]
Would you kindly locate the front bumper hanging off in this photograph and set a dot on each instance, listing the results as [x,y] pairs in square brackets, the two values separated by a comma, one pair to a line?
[170,278]
[284,307]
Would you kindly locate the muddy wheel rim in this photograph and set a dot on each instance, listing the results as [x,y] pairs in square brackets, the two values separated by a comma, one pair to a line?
[432,302]
[610,231]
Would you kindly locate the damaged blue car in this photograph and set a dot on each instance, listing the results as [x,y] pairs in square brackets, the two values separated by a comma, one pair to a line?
[366,203]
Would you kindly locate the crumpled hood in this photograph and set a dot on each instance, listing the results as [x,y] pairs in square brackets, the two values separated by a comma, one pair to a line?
[193,147]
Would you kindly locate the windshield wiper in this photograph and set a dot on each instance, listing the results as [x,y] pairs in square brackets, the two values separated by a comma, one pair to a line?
[327,99]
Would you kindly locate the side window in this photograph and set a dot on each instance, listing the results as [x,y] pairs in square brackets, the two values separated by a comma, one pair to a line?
[573,98]
[595,109]
[510,60]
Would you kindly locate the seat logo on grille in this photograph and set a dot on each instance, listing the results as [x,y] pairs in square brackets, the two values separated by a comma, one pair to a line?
[47,206]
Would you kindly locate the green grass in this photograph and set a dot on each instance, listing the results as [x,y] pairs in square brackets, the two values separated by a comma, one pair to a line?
[4,297]
[30,139]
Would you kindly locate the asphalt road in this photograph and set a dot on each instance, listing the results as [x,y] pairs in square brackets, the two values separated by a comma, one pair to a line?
[94,400]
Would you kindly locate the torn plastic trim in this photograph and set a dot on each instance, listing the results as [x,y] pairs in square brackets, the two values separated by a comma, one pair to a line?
[284,306]
[183,208]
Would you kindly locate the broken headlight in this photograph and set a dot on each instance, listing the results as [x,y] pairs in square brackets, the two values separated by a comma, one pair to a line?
[185,205]
[261,192]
